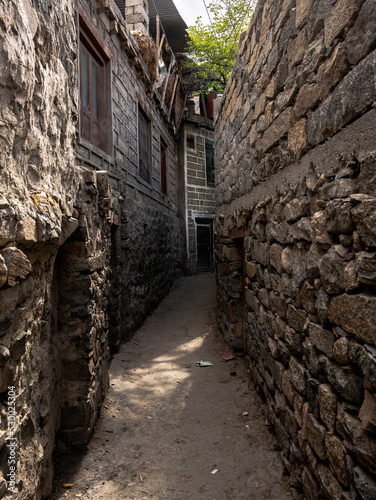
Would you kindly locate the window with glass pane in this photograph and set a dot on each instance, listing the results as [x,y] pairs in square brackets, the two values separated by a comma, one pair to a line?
[95,114]
[209,154]
[144,145]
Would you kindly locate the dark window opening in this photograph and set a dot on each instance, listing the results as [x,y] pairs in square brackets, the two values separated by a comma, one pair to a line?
[209,154]
[95,121]
[190,142]
[205,239]
[164,167]
[144,145]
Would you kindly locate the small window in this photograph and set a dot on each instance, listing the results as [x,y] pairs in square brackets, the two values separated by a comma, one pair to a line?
[144,145]
[164,167]
[95,114]
[209,154]
[190,142]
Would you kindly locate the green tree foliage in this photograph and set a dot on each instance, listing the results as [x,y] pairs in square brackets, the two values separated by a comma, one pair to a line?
[212,48]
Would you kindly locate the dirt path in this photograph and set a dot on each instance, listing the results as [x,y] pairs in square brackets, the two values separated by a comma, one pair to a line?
[167,425]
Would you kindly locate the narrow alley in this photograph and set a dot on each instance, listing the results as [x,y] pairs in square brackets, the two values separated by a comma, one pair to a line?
[172,430]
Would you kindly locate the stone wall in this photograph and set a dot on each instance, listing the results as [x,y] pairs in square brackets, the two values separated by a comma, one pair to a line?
[55,223]
[148,253]
[87,247]
[296,246]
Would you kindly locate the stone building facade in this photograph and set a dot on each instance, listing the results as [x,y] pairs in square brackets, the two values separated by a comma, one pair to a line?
[296,246]
[197,199]
[89,215]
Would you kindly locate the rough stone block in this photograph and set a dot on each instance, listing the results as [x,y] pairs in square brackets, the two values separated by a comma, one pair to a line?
[360,442]
[347,311]
[276,130]
[276,257]
[287,388]
[4,355]
[322,339]
[319,228]
[310,486]
[307,98]
[297,138]
[3,271]
[316,436]
[3,485]
[294,341]
[336,452]
[367,176]
[329,484]
[301,230]
[346,383]
[314,256]
[296,318]
[279,231]
[308,297]
[350,98]
[364,356]
[253,301]
[332,71]
[337,189]
[296,49]
[366,267]
[361,38]
[339,17]
[364,483]
[7,376]
[260,252]
[287,257]
[8,225]
[327,405]
[296,209]
[341,351]
[339,218]
[364,215]
[17,263]
[297,375]
[367,412]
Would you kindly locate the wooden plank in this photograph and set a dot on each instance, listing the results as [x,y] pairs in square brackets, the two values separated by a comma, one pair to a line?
[182,112]
[158,54]
[158,30]
[165,83]
[173,96]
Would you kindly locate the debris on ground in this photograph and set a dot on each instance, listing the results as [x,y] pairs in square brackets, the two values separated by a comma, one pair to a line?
[204,363]
[228,356]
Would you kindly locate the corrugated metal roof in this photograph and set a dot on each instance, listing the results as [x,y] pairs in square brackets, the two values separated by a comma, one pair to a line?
[172,21]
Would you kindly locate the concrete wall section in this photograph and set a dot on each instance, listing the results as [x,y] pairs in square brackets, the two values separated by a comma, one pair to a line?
[296,247]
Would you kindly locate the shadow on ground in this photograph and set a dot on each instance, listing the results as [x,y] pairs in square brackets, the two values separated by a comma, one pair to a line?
[170,430]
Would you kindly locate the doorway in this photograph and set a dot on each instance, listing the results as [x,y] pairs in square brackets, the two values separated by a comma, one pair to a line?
[205,247]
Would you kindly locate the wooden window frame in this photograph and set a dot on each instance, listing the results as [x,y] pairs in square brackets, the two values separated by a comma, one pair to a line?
[164,166]
[95,129]
[209,168]
[144,173]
